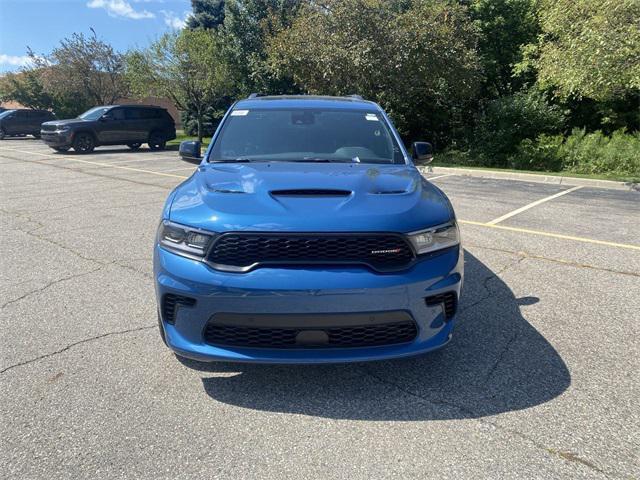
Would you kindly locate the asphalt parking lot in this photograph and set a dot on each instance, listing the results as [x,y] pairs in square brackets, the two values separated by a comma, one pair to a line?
[540,381]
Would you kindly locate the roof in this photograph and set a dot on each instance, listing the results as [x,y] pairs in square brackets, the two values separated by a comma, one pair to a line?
[307,101]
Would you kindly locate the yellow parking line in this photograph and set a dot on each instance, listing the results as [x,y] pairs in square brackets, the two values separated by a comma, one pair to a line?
[552,235]
[100,164]
[531,205]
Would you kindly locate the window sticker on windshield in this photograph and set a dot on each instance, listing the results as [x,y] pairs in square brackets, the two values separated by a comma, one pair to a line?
[372,117]
[239,113]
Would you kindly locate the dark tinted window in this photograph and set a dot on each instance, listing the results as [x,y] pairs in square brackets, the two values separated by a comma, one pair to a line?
[22,114]
[117,114]
[150,113]
[132,113]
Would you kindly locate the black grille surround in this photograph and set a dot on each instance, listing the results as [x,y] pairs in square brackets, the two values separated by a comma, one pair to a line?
[449,300]
[243,251]
[170,304]
[334,337]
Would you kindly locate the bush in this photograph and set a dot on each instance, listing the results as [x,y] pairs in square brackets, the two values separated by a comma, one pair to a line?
[543,153]
[597,153]
[581,152]
[509,120]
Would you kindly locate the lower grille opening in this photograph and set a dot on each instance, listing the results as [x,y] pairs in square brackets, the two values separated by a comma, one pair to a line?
[170,304]
[448,299]
[331,337]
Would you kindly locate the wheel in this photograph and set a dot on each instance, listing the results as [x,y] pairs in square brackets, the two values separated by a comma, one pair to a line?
[36,135]
[157,141]
[2,134]
[134,146]
[161,328]
[84,143]
[61,149]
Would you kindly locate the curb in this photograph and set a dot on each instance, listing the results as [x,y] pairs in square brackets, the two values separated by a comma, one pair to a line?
[532,177]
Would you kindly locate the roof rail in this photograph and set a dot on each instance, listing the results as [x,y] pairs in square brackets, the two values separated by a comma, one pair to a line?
[356,96]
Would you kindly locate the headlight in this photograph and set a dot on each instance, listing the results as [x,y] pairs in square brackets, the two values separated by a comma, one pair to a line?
[189,242]
[435,238]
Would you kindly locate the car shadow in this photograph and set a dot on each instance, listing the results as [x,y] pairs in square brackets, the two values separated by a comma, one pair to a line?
[497,362]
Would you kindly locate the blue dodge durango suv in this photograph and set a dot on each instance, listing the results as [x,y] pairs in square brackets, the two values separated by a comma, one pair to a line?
[306,235]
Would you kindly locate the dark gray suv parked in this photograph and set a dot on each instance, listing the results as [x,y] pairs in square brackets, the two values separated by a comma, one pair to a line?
[22,121]
[130,125]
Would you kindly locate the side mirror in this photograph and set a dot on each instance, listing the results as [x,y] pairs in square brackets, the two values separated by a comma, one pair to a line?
[106,117]
[190,150]
[422,152]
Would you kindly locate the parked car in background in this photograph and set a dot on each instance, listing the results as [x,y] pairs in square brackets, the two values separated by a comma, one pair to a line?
[307,235]
[23,121]
[130,125]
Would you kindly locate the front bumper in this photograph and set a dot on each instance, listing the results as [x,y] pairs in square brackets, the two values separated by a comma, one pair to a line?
[305,291]
[57,139]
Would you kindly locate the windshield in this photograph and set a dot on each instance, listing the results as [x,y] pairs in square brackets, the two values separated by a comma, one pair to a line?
[306,135]
[6,113]
[94,113]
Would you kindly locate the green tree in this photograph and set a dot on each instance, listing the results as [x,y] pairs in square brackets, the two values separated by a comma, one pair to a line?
[85,67]
[248,26]
[505,25]
[206,14]
[188,67]
[417,59]
[589,48]
[27,88]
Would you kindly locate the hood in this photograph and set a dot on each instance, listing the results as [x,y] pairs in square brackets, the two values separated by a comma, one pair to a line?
[311,197]
[62,123]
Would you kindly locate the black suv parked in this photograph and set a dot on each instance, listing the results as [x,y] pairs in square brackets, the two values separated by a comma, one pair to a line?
[21,122]
[130,125]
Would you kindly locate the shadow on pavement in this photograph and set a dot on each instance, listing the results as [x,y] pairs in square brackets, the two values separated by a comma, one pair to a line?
[497,362]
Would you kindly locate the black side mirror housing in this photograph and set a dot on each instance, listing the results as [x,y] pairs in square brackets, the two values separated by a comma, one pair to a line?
[422,152]
[190,150]
[106,117]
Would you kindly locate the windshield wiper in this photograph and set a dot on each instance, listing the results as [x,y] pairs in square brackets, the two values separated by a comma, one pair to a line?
[231,160]
[321,160]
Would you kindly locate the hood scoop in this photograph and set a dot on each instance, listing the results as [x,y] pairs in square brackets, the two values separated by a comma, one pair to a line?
[311,192]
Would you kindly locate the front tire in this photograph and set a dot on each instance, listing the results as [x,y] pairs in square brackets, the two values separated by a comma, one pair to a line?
[84,143]
[61,149]
[157,141]
[36,136]
[2,134]
[134,146]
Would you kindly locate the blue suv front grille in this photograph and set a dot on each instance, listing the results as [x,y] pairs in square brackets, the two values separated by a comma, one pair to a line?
[243,251]
[330,337]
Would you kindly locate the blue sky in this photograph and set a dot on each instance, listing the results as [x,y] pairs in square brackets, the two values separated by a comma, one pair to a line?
[41,24]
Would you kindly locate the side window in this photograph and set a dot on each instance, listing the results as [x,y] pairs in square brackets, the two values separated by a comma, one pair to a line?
[117,113]
[132,113]
[149,113]
[22,114]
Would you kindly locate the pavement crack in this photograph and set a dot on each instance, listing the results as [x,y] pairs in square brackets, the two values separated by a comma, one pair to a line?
[74,344]
[554,260]
[46,286]
[488,279]
[499,360]
[471,414]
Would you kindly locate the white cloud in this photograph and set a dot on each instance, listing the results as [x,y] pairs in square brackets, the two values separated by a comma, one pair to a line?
[174,21]
[120,8]
[14,60]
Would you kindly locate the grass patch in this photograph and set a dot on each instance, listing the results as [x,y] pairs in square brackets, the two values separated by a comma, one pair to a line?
[181,137]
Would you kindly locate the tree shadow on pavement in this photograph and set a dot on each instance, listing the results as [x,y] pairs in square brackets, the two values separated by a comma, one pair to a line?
[496,362]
